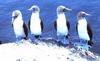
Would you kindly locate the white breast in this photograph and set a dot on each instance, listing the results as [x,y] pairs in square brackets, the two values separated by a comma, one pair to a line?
[18,27]
[82,29]
[61,25]
[35,26]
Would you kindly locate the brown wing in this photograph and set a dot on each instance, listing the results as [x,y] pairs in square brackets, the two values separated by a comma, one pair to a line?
[77,28]
[42,25]
[68,24]
[90,42]
[12,24]
[29,24]
[55,25]
[89,31]
[25,29]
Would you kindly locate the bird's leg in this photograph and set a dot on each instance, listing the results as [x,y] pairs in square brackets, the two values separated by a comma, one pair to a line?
[81,41]
[69,39]
[19,40]
[58,38]
[84,44]
[37,38]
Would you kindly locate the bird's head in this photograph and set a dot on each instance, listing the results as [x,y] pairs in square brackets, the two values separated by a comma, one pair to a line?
[82,14]
[62,9]
[34,8]
[16,13]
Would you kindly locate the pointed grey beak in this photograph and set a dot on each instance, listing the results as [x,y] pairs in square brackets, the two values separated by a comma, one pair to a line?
[87,14]
[66,9]
[30,9]
[69,9]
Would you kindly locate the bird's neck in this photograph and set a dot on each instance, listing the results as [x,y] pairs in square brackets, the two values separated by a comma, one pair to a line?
[79,17]
[61,15]
[18,21]
[20,17]
[82,21]
[35,15]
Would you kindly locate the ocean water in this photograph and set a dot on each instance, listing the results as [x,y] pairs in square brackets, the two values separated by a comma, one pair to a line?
[48,15]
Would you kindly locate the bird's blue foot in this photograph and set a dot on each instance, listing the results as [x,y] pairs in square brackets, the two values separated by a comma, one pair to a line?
[82,45]
[18,42]
[63,41]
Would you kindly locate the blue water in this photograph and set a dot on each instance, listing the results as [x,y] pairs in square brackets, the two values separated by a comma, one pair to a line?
[48,15]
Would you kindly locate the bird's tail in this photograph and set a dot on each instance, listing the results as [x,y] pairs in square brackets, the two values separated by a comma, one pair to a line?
[25,38]
[90,42]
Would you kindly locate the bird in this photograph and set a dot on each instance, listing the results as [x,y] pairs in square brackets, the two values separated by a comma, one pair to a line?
[62,24]
[19,26]
[35,23]
[83,28]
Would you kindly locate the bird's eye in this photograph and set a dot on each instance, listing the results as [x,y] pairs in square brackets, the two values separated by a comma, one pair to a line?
[34,9]
[64,10]
[83,15]
[14,17]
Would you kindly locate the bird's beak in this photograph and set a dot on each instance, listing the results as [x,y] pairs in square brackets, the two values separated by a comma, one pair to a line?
[30,9]
[67,9]
[87,14]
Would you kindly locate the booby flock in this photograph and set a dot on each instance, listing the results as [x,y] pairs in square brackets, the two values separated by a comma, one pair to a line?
[62,25]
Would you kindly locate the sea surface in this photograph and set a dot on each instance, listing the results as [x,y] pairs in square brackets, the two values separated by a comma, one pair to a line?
[48,15]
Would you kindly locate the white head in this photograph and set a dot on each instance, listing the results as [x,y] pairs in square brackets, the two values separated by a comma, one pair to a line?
[82,14]
[15,14]
[34,9]
[62,9]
